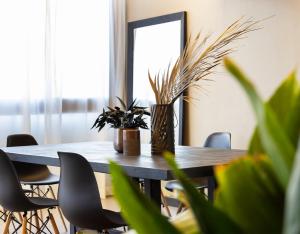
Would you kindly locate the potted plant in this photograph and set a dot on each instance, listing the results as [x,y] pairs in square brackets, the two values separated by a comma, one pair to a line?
[199,59]
[126,120]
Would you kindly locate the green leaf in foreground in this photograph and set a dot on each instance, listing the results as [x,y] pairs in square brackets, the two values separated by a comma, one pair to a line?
[285,102]
[140,213]
[293,120]
[210,219]
[250,195]
[274,139]
[292,206]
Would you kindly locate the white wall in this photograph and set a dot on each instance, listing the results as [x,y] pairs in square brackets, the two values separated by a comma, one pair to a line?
[266,55]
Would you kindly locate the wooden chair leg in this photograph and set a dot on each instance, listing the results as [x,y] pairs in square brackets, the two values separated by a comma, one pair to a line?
[20,217]
[24,225]
[165,204]
[52,220]
[59,210]
[7,223]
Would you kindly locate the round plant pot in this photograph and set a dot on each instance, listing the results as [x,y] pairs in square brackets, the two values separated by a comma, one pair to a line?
[131,142]
[118,140]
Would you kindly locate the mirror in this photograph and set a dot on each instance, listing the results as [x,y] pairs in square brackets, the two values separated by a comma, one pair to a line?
[153,44]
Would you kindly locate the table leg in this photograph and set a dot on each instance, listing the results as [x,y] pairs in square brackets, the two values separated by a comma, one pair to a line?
[211,188]
[153,189]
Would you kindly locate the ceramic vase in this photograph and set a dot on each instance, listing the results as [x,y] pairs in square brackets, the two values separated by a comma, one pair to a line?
[131,142]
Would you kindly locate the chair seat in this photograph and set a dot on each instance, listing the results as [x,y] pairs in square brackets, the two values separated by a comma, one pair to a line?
[115,217]
[48,180]
[175,185]
[100,220]
[41,202]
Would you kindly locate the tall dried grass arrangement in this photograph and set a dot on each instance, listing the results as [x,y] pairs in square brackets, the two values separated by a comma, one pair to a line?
[198,60]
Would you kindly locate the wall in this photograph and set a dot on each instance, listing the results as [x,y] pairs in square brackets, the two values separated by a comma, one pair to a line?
[266,55]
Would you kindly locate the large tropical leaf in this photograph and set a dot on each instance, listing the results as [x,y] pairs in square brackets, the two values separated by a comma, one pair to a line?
[292,206]
[140,213]
[210,220]
[273,137]
[292,122]
[184,221]
[250,195]
[285,102]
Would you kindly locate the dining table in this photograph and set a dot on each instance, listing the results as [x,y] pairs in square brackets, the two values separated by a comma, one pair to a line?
[195,162]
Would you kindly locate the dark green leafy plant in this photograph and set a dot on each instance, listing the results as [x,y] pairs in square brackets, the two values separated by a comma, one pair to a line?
[124,117]
[258,193]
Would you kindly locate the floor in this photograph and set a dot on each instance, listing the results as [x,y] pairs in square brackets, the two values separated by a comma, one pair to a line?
[108,203]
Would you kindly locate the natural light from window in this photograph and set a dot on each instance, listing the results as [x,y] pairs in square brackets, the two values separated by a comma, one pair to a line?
[78,54]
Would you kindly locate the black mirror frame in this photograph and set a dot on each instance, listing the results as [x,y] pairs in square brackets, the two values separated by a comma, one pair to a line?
[181,16]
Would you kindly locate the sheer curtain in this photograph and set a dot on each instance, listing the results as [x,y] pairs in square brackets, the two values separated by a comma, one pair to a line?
[118,29]
[54,68]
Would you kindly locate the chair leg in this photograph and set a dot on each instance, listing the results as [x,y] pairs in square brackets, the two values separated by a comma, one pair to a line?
[165,204]
[55,229]
[7,223]
[30,215]
[59,210]
[24,224]
[180,207]
[4,214]
[39,194]
[20,217]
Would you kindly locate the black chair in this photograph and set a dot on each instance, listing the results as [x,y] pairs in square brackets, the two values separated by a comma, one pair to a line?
[14,200]
[34,175]
[79,198]
[217,140]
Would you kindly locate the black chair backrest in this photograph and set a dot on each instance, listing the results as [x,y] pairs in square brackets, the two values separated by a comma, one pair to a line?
[20,140]
[78,193]
[27,171]
[12,196]
[218,140]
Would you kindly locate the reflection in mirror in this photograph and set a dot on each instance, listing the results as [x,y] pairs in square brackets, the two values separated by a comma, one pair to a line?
[154,45]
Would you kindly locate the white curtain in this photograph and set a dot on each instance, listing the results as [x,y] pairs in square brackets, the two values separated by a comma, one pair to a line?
[54,67]
[118,35]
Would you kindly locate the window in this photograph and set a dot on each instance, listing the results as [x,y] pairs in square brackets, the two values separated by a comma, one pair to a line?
[54,58]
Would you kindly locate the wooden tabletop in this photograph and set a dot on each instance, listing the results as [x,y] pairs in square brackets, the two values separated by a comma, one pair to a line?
[195,161]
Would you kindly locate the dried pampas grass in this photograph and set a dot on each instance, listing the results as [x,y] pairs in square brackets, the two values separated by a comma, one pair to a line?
[197,61]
